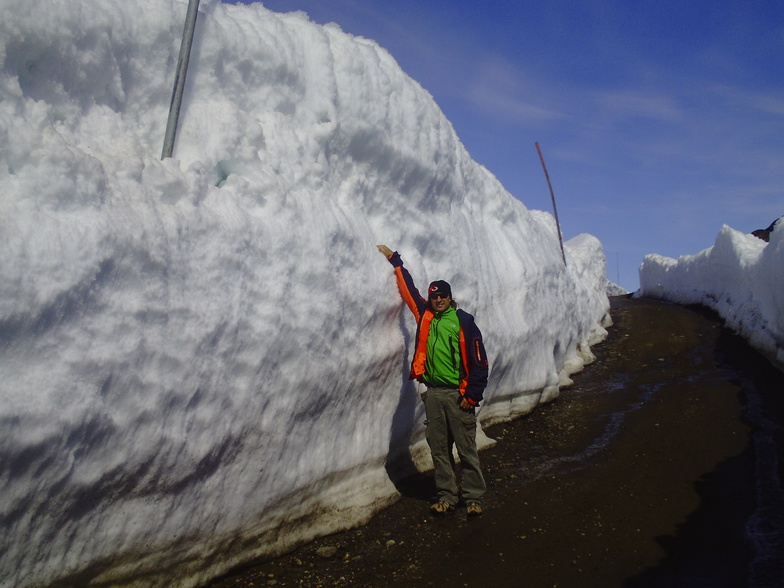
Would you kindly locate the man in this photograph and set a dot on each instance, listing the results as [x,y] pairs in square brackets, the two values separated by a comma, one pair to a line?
[449,358]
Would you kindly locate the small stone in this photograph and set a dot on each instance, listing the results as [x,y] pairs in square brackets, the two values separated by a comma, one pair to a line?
[327,551]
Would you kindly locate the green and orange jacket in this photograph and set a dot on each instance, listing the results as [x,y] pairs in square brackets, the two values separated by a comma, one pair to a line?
[472,365]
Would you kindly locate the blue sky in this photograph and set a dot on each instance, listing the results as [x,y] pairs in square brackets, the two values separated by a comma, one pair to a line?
[659,121]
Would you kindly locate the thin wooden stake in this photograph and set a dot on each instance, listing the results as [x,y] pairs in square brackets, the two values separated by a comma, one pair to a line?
[552,197]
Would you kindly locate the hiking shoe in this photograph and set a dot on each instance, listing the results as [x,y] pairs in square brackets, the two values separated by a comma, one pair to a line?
[474,509]
[441,507]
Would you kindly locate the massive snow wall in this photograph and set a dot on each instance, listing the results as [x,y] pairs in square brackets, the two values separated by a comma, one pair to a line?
[203,359]
[740,277]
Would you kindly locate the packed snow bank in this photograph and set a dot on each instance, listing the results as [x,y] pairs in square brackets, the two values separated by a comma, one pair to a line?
[740,277]
[204,359]
[616,290]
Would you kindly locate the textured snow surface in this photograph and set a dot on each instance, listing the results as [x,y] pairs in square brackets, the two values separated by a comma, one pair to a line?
[741,277]
[204,359]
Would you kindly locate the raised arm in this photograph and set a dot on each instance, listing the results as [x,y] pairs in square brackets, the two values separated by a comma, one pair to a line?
[405,283]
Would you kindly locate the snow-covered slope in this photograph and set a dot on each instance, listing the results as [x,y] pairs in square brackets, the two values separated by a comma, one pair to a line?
[741,277]
[616,290]
[203,359]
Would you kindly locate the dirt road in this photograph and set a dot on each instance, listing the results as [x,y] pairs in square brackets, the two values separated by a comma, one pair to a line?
[661,467]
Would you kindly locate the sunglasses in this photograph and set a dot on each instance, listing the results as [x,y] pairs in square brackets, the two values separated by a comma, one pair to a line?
[437,295]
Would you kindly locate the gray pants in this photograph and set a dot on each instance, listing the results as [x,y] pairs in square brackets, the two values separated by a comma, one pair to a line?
[447,423]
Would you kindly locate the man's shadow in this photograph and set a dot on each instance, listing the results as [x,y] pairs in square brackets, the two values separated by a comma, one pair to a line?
[400,466]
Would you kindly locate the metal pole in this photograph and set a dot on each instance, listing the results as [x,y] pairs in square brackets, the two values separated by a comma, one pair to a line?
[179,79]
[552,197]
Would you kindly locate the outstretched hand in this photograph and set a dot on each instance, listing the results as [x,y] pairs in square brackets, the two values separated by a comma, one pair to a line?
[385,250]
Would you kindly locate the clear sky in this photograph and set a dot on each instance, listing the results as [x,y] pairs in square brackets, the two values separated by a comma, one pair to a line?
[659,120]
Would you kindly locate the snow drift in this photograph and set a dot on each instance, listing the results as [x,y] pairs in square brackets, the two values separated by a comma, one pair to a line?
[740,277]
[203,359]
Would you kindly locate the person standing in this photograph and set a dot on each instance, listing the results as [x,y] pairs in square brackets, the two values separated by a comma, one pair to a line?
[450,359]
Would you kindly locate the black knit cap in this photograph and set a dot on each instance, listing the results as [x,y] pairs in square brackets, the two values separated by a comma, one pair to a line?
[439,287]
